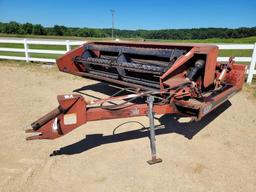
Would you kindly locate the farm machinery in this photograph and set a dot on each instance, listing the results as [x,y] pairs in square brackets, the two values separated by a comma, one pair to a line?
[178,79]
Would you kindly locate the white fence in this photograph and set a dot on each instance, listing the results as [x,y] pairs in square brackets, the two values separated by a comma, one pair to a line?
[26,50]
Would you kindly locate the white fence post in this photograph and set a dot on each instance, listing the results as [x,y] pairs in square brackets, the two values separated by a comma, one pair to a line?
[26,50]
[252,66]
[68,47]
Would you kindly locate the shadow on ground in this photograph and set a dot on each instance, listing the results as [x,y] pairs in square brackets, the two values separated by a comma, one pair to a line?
[169,124]
[104,88]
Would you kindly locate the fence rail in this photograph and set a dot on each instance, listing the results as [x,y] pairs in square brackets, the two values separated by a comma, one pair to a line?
[68,43]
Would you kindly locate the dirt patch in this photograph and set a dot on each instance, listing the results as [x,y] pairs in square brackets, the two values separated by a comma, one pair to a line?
[216,154]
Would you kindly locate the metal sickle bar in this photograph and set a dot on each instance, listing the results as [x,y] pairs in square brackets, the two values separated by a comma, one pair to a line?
[151,69]
[165,53]
[128,64]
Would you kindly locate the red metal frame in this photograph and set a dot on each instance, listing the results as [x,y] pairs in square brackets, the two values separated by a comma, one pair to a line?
[53,124]
[178,93]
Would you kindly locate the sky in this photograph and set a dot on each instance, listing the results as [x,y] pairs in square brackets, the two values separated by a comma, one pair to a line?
[132,14]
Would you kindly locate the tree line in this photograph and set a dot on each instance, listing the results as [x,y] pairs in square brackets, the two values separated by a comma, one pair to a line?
[176,34]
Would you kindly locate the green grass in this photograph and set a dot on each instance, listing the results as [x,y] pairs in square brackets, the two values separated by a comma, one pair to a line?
[246,40]
[41,36]
[235,53]
[49,47]
[38,55]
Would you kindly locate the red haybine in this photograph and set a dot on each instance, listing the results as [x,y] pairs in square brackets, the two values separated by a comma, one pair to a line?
[170,78]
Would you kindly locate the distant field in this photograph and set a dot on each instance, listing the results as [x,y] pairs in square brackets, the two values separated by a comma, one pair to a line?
[245,40]
[213,40]
[223,53]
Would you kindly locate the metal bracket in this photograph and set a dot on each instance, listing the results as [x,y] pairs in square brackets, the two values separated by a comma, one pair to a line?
[154,160]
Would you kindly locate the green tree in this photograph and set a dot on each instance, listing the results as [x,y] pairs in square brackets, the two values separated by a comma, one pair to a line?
[28,28]
[38,30]
[12,27]
[59,30]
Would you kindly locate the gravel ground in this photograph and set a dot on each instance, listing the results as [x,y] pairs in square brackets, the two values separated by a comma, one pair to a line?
[215,154]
